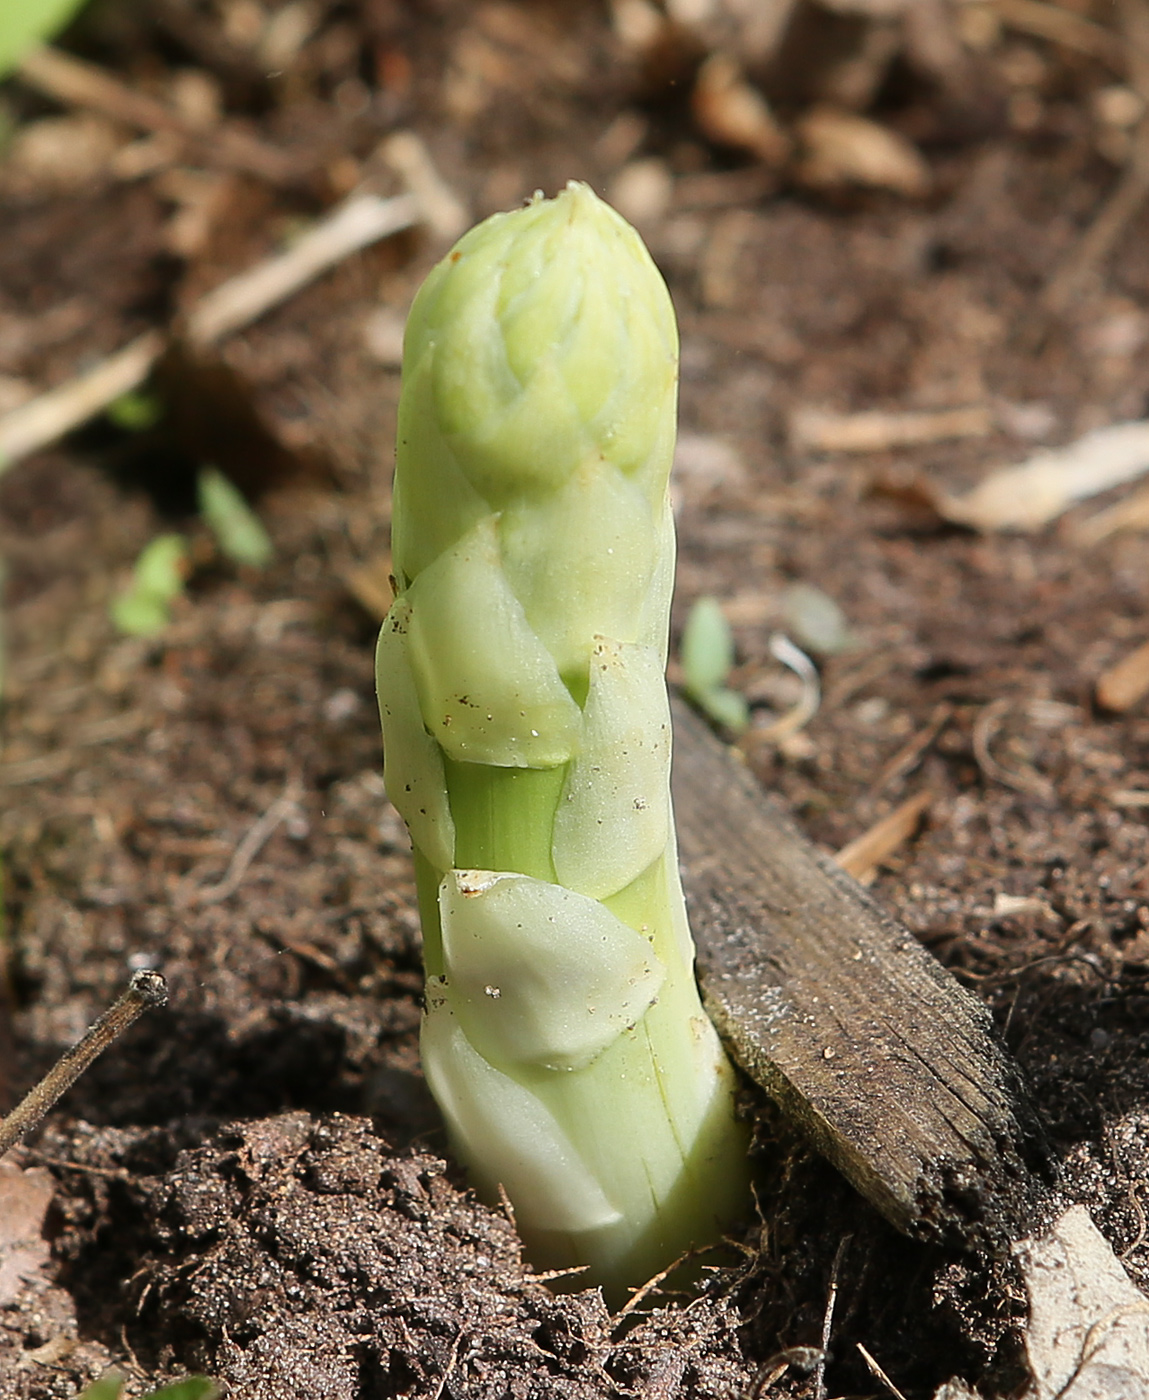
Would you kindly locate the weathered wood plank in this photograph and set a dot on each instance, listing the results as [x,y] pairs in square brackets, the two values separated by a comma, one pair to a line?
[893,1070]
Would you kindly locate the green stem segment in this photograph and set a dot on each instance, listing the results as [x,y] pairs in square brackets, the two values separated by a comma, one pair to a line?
[527,743]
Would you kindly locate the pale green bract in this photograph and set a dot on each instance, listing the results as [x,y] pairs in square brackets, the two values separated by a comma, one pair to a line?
[527,743]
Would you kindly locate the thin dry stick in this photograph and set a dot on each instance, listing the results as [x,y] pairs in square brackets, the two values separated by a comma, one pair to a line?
[911,752]
[649,1287]
[251,845]
[446,215]
[78,84]
[146,989]
[878,1374]
[35,424]
[354,225]
[828,1318]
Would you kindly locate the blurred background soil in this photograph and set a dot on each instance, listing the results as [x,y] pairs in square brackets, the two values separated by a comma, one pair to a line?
[859,205]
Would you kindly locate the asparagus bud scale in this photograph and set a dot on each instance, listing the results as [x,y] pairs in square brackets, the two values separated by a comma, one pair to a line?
[527,742]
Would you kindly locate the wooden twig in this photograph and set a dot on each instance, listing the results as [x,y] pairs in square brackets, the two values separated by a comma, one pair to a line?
[875,430]
[75,83]
[44,419]
[910,754]
[358,223]
[443,211]
[361,221]
[892,1069]
[145,990]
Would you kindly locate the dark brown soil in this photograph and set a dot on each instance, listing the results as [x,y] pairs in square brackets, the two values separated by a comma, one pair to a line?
[250,1184]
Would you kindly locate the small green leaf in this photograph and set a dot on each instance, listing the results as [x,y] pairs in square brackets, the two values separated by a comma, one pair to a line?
[816,620]
[145,608]
[24,23]
[108,1387]
[707,646]
[239,532]
[162,567]
[135,412]
[110,1384]
[725,707]
[707,658]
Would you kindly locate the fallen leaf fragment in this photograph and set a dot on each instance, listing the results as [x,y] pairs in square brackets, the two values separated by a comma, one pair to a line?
[1030,495]
[842,148]
[24,1200]
[1124,684]
[1088,1332]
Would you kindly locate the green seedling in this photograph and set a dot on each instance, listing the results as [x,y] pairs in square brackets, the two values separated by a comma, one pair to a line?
[111,1384]
[527,743]
[135,412]
[238,531]
[707,659]
[24,23]
[157,580]
[815,620]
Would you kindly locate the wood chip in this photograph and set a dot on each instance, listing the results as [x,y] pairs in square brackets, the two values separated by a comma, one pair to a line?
[1123,685]
[864,854]
[872,1048]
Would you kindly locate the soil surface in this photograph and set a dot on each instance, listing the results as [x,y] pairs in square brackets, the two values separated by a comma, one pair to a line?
[252,1183]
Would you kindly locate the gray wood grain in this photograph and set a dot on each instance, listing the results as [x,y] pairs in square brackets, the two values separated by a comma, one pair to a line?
[893,1070]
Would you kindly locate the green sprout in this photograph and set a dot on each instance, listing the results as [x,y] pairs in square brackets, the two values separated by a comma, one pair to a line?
[707,660]
[144,608]
[110,1385]
[24,23]
[135,411]
[527,743]
[238,531]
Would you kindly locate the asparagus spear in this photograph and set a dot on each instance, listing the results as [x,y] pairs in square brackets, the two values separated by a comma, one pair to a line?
[527,742]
